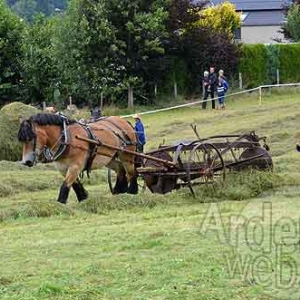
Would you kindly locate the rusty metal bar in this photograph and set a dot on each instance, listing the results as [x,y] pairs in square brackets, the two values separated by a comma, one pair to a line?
[163,161]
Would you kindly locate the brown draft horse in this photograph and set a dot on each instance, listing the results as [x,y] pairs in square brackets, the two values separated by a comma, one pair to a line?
[71,155]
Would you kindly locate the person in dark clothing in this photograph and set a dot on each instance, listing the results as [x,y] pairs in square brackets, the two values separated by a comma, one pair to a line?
[140,133]
[205,88]
[95,114]
[212,77]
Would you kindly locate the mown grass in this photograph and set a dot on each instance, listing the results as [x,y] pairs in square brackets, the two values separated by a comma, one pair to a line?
[150,246]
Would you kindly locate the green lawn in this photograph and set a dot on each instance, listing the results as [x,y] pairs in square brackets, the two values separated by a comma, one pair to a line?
[238,241]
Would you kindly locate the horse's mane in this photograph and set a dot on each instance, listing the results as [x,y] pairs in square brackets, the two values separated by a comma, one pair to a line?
[50,119]
[26,133]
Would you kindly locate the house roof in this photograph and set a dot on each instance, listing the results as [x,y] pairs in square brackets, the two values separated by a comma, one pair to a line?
[264,18]
[247,5]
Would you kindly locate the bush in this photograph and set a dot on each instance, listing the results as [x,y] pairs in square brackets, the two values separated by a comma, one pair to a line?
[289,63]
[253,65]
[10,148]
[259,64]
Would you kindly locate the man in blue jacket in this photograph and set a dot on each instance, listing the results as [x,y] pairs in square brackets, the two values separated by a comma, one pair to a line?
[140,133]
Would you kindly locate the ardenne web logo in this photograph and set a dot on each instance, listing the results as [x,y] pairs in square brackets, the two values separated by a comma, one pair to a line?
[262,250]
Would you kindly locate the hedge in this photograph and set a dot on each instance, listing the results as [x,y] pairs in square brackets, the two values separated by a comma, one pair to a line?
[289,63]
[253,65]
[259,63]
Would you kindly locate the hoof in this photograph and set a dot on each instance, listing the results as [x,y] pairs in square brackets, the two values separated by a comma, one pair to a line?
[84,196]
[62,201]
[298,148]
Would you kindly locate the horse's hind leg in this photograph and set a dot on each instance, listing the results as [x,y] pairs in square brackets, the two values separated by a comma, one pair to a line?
[121,185]
[133,185]
[131,175]
[79,190]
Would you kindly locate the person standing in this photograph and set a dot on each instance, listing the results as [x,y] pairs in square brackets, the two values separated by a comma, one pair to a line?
[221,91]
[221,75]
[212,77]
[140,133]
[205,88]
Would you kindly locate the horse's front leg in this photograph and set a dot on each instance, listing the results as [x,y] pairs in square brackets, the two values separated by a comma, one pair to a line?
[71,177]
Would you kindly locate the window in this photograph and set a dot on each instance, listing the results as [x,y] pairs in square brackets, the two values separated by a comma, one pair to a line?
[244,15]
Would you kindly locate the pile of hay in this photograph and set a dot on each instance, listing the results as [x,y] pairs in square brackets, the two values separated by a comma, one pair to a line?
[10,148]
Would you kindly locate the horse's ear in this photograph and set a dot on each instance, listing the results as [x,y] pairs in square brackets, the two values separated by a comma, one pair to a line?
[21,119]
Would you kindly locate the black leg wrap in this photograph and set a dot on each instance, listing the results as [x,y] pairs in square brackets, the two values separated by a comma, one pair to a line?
[121,186]
[63,194]
[79,190]
[133,186]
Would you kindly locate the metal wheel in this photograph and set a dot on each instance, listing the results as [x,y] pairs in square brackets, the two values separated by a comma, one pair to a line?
[112,179]
[257,158]
[160,184]
[205,165]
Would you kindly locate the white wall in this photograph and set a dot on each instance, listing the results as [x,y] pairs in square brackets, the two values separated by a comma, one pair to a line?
[260,34]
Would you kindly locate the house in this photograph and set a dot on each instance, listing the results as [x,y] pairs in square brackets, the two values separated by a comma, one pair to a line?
[262,19]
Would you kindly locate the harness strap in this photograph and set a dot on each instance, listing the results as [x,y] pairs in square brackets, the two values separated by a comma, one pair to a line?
[93,151]
[128,140]
[125,142]
[65,137]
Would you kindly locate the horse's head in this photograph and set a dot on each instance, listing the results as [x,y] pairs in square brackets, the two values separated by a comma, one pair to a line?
[33,142]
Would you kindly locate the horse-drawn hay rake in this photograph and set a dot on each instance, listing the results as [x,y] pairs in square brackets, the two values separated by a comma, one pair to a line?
[202,161]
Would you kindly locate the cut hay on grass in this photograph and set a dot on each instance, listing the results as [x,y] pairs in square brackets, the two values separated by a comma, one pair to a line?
[10,148]
[237,187]
[37,210]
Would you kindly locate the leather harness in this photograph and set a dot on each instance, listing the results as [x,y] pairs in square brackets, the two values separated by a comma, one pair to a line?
[123,137]
[93,148]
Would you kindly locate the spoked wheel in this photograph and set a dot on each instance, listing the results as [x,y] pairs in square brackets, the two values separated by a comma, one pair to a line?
[112,179]
[205,166]
[257,158]
[160,184]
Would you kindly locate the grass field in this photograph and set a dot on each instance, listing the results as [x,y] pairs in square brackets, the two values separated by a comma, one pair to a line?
[238,241]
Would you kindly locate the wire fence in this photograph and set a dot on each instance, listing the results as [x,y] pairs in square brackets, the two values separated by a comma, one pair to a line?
[259,89]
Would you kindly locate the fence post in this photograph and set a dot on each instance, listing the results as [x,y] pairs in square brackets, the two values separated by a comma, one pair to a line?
[155,90]
[44,105]
[260,95]
[130,96]
[278,76]
[101,101]
[240,81]
[175,90]
[175,86]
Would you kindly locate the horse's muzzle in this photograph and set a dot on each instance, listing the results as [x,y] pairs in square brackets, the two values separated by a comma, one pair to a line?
[29,159]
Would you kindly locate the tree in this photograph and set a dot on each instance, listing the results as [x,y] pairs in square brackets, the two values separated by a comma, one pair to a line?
[27,9]
[140,32]
[11,28]
[37,60]
[291,29]
[105,46]
[222,18]
[183,14]
[83,47]
[204,47]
